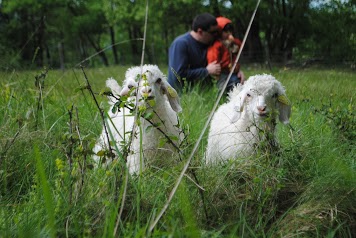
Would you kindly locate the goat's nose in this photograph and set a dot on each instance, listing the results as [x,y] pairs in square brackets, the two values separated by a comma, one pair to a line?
[146,91]
[261,108]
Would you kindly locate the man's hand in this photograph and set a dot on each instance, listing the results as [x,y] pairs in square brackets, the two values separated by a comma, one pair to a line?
[241,76]
[214,68]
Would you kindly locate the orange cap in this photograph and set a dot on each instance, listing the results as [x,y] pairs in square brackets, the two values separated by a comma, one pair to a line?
[222,21]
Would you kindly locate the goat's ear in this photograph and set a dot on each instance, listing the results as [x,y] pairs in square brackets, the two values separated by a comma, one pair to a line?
[172,95]
[125,91]
[113,85]
[235,117]
[284,107]
[238,106]
[115,89]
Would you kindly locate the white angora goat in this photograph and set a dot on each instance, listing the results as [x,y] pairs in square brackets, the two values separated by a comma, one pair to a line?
[157,135]
[248,119]
[118,125]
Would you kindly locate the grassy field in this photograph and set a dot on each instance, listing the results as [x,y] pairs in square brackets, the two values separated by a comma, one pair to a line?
[49,123]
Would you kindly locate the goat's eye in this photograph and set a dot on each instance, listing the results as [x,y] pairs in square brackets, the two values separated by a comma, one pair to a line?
[275,95]
[130,86]
[248,95]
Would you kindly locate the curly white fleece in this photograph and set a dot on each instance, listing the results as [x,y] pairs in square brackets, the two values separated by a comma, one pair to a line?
[236,126]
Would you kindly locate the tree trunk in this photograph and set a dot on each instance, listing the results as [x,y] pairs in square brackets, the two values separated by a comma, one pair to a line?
[114,50]
[99,51]
[215,7]
[61,55]
[48,56]
[255,49]
[136,45]
[39,45]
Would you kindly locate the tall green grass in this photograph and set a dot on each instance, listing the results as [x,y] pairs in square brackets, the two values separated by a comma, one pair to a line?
[48,186]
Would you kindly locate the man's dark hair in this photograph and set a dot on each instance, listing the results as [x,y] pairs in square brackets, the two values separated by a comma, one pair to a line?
[203,21]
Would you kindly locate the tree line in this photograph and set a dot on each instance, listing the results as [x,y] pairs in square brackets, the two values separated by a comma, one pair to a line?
[63,33]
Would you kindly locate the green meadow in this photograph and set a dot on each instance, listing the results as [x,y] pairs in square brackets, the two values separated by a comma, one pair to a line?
[49,123]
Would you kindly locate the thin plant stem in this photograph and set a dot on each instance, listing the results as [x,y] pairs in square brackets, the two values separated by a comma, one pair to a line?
[179,180]
[134,126]
[88,86]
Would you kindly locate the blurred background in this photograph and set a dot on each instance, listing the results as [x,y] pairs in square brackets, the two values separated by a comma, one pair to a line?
[59,34]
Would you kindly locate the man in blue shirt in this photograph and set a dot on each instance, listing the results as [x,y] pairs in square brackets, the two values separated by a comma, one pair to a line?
[187,53]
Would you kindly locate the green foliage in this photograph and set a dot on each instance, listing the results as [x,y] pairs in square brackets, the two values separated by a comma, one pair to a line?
[342,119]
[59,34]
[305,189]
[337,41]
[48,200]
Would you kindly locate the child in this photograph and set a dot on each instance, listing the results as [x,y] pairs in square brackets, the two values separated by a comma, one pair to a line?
[224,51]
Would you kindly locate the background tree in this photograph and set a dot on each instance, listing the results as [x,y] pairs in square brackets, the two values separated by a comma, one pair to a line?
[332,33]
[26,30]
[240,13]
[110,8]
[284,23]
[90,24]
[56,33]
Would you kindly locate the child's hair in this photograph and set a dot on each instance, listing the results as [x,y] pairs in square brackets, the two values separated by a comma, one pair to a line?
[228,27]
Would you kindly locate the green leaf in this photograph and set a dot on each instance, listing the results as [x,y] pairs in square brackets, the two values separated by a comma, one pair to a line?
[162,142]
[46,190]
[148,115]
[100,153]
[148,129]
[114,109]
[173,138]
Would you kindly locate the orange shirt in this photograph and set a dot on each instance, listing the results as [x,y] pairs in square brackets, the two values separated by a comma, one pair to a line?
[221,54]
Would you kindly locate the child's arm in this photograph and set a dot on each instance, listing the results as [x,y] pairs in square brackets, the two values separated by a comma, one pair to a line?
[214,52]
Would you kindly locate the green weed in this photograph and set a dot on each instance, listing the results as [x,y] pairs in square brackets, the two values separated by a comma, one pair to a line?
[49,186]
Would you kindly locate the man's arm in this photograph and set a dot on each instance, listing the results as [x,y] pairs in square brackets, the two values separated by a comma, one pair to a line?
[176,62]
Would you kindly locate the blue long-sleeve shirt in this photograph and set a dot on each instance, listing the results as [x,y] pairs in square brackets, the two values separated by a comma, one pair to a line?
[187,57]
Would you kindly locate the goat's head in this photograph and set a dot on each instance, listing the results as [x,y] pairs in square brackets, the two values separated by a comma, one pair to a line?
[150,86]
[263,96]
